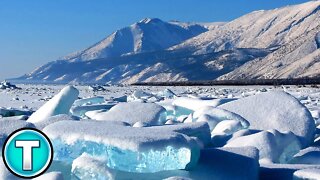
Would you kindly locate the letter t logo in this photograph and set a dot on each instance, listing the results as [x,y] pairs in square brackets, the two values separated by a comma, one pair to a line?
[27,147]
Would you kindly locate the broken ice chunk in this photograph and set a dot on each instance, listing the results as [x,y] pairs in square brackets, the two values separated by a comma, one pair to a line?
[80,111]
[273,146]
[171,122]
[181,111]
[139,95]
[167,93]
[59,104]
[144,150]
[312,173]
[199,130]
[88,101]
[310,155]
[140,124]
[175,113]
[149,113]
[121,99]
[275,110]
[8,126]
[315,114]
[227,127]
[197,103]
[53,119]
[90,167]
[213,116]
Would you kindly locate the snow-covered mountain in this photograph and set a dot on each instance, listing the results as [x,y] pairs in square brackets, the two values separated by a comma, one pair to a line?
[297,59]
[259,29]
[145,67]
[279,43]
[143,36]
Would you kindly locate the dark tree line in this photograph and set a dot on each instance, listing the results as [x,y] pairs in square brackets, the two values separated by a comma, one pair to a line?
[241,82]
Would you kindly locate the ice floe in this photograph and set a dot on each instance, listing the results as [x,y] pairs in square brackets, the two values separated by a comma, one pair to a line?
[124,146]
[52,119]
[273,146]
[307,174]
[80,111]
[197,103]
[132,112]
[275,110]
[89,101]
[213,116]
[142,96]
[59,104]
[310,155]
[91,167]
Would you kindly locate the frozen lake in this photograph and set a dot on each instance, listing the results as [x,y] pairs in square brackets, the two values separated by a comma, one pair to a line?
[33,96]
[196,132]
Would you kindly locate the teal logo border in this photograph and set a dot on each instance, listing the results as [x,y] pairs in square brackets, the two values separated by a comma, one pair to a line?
[4,158]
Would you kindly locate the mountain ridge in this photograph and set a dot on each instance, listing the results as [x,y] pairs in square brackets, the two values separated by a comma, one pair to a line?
[132,39]
[262,44]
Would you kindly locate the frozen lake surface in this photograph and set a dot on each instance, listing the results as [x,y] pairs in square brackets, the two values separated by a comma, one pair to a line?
[157,132]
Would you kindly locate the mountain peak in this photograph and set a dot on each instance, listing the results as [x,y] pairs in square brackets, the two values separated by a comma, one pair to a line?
[150,20]
[149,34]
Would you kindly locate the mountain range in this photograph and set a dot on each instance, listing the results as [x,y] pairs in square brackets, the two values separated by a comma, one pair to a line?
[265,44]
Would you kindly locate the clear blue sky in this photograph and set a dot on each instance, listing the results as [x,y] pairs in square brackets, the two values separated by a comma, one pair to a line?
[33,32]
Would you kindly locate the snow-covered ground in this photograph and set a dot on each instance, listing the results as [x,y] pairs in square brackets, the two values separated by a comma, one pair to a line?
[149,132]
[33,96]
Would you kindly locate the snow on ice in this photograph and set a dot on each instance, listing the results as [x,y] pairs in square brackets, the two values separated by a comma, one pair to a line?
[59,104]
[133,112]
[168,132]
[161,148]
[8,126]
[275,110]
[307,174]
[91,167]
[273,146]
[310,155]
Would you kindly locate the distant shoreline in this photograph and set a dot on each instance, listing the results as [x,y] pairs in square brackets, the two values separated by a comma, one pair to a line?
[243,82]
